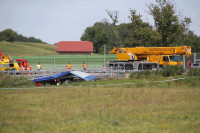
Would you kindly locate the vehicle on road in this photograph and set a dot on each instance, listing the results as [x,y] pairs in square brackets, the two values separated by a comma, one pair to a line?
[196,64]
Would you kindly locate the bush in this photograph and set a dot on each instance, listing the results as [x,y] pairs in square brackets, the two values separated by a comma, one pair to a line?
[165,72]
[172,71]
[144,74]
[193,72]
[13,81]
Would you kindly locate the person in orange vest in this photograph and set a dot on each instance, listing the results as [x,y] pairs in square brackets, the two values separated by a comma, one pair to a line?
[39,66]
[84,66]
[69,66]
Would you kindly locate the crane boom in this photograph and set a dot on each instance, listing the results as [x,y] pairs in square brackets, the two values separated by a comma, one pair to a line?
[154,50]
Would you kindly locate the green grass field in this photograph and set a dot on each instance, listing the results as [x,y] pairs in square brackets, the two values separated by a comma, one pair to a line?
[92,61]
[157,107]
[27,49]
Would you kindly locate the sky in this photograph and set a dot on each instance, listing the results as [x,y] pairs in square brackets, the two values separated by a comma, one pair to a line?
[65,20]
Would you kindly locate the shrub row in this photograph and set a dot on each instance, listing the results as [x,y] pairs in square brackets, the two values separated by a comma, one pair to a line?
[165,72]
[13,81]
[193,72]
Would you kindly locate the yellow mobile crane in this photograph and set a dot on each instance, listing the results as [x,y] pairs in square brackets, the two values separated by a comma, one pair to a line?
[148,57]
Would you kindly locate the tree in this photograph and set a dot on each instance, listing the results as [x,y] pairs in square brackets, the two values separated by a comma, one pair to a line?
[103,33]
[96,34]
[123,32]
[8,35]
[169,30]
[165,19]
[11,36]
[135,33]
[114,16]
[140,33]
[173,29]
[192,40]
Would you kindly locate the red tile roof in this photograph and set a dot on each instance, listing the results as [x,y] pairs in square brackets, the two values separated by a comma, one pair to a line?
[74,46]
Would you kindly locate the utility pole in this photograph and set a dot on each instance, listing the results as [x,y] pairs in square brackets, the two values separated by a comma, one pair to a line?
[183,61]
[104,55]
[87,61]
[195,57]
[54,63]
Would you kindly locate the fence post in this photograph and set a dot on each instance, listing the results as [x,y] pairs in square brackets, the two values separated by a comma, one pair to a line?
[87,61]
[53,63]
[111,71]
[38,58]
[183,61]
[195,57]
[104,55]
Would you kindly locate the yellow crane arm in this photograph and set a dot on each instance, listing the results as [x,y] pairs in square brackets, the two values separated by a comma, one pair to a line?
[154,50]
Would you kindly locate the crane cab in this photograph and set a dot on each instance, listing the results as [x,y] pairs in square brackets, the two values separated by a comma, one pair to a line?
[173,60]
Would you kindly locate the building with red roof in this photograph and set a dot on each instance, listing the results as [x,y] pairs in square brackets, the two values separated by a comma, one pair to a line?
[74,47]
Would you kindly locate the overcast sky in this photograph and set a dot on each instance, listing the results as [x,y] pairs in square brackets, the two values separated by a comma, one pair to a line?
[65,20]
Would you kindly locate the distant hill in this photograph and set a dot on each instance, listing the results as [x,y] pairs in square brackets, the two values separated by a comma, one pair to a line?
[27,49]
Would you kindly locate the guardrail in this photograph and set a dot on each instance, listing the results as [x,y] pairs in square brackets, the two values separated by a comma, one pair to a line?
[98,72]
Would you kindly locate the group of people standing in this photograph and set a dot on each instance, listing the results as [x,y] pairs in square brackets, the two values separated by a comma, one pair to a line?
[39,66]
[69,66]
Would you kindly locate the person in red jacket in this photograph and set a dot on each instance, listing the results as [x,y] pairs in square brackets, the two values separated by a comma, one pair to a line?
[189,63]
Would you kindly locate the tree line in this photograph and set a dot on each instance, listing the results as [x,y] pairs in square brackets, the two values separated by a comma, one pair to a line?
[169,29]
[10,36]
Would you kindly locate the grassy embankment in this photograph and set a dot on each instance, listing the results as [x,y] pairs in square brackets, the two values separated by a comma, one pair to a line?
[27,49]
[151,107]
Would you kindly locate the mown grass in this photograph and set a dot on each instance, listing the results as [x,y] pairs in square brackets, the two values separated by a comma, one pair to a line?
[156,107]
[64,59]
[61,61]
[27,49]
